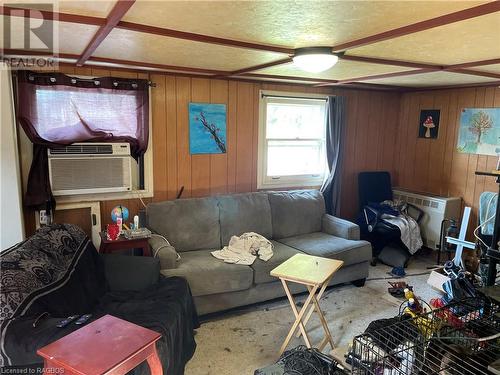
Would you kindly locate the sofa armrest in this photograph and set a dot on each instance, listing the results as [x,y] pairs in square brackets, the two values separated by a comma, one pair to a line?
[126,272]
[166,253]
[340,227]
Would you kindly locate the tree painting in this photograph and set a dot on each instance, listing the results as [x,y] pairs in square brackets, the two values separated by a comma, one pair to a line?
[207,128]
[480,124]
[479,131]
[214,132]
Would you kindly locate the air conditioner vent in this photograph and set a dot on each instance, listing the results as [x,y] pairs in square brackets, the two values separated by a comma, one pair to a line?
[89,175]
[79,149]
[89,168]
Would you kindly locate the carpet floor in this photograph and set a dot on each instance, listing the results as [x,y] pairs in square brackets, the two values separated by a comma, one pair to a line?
[240,341]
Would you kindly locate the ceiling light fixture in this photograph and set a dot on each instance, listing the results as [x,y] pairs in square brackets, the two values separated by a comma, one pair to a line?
[314,59]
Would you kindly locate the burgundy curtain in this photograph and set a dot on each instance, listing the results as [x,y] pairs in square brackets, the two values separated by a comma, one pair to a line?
[55,109]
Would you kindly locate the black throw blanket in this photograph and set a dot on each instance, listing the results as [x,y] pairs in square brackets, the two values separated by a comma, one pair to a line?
[168,309]
[57,273]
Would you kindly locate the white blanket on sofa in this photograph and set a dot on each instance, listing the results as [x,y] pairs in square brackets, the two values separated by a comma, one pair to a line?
[245,248]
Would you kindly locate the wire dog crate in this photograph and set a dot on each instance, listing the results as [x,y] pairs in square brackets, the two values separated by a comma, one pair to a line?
[458,339]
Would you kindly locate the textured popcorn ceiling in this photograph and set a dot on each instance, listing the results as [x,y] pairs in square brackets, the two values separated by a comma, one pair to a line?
[344,69]
[73,38]
[470,40]
[495,68]
[432,79]
[130,45]
[289,24]
[96,8]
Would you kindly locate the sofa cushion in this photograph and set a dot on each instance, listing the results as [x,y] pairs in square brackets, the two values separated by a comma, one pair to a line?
[188,224]
[125,272]
[240,213]
[208,275]
[296,212]
[262,269]
[328,246]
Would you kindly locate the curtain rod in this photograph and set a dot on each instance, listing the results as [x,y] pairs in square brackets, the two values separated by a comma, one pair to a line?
[150,83]
[293,97]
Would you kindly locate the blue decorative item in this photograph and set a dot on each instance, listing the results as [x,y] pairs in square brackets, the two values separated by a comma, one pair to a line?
[119,211]
[207,128]
[398,272]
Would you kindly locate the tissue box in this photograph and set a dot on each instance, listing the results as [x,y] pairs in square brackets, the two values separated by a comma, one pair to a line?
[437,278]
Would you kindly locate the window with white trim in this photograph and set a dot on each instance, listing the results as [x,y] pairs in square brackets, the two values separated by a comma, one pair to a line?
[292,130]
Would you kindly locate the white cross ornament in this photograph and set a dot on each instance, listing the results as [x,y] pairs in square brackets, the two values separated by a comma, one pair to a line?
[460,241]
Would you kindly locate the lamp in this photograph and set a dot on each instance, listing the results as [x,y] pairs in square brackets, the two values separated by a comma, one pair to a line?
[314,59]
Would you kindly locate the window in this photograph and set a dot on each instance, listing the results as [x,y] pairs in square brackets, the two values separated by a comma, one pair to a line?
[56,109]
[291,140]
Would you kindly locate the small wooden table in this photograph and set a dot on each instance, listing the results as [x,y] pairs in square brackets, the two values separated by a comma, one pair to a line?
[315,273]
[106,346]
[122,243]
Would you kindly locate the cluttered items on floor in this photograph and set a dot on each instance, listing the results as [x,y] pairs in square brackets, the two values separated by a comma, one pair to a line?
[459,338]
[458,333]
[304,361]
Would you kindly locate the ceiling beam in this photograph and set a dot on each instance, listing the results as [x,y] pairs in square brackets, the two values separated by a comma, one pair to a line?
[136,66]
[260,66]
[119,10]
[106,60]
[246,72]
[473,64]
[446,19]
[141,64]
[379,76]
[475,73]
[289,78]
[374,86]
[459,86]
[54,16]
[201,38]
[458,68]
[375,60]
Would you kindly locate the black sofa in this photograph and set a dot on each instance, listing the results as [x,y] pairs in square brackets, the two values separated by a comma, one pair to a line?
[57,272]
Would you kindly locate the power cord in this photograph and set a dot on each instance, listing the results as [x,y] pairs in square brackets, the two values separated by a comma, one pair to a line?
[488,206]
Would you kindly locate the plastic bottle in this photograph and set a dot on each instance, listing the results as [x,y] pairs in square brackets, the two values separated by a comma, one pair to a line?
[409,294]
[119,222]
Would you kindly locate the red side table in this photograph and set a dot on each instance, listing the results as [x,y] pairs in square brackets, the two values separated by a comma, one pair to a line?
[108,246]
[106,346]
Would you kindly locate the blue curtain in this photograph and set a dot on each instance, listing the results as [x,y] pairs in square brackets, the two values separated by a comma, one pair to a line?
[335,127]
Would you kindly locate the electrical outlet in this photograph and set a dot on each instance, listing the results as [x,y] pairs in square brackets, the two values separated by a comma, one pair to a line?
[43,217]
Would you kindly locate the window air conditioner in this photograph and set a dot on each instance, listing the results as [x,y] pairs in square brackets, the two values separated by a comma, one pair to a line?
[435,208]
[89,168]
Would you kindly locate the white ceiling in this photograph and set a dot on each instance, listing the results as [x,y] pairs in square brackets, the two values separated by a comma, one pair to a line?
[291,24]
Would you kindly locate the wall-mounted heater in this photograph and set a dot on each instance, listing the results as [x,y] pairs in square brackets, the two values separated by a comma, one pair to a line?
[89,168]
[435,208]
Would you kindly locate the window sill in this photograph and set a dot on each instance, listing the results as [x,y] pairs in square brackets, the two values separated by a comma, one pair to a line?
[289,184]
[134,194]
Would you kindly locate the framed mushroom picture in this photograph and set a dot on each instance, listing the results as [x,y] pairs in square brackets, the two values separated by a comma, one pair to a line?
[429,123]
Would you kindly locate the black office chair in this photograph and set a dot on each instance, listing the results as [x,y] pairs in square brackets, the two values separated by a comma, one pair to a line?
[375,188]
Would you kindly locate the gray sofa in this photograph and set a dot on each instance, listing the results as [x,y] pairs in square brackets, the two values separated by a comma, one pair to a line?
[294,221]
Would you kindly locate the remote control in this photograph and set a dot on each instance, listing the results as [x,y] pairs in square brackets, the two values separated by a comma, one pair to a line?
[65,322]
[83,319]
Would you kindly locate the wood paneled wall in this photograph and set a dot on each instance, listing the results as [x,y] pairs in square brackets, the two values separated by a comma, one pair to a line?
[372,119]
[434,165]
[371,123]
